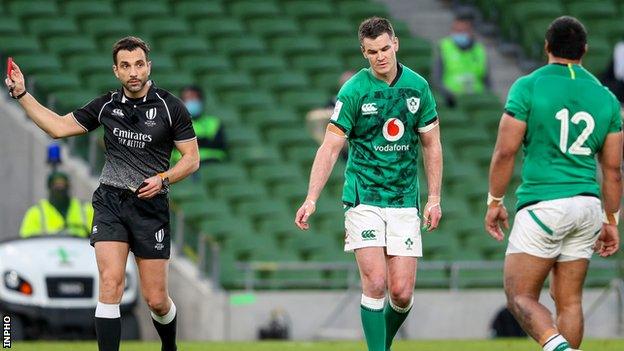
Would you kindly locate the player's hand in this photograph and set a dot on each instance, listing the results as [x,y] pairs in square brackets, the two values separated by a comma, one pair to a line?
[608,242]
[305,211]
[495,216]
[432,213]
[153,185]
[16,83]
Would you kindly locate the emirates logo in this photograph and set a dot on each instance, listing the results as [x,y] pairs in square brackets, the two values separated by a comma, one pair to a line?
[393,129]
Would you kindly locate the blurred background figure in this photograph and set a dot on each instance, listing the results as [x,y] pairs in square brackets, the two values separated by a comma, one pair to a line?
[613,77]
[209,129]
[60,212]
[316,119]
[461,65]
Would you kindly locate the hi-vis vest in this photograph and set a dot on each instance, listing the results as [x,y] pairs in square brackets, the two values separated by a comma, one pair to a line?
[206,127]
[463,70]
[44,219]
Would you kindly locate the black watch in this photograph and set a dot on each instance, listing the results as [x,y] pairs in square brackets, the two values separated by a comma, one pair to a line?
[164,179]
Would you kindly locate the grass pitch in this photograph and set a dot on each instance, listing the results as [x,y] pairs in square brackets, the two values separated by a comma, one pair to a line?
[464,345]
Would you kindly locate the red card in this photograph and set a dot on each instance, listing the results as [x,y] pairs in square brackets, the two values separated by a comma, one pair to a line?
[9,66]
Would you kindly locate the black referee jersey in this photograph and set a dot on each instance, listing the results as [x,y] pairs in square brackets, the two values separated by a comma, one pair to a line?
[139,134]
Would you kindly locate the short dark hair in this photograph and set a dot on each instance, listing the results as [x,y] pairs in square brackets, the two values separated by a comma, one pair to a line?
[566,37]
[464,14]
[194,88]
[130,43]
[373,27]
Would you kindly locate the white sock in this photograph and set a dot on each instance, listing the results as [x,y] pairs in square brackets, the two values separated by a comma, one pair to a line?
[107,310]
[401,309]
[373,304]
[168,317]
[556,342]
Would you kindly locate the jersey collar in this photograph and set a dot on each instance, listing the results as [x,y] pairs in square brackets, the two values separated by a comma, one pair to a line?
[151,93]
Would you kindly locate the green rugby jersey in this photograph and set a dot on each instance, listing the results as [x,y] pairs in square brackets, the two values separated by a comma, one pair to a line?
[382,122]
[568,114]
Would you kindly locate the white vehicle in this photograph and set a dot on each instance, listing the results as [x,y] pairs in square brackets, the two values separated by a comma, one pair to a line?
[49,288]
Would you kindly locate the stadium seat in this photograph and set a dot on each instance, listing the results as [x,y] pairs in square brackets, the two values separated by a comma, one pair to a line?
[31,9]
[294,45]
[10,26]
[253,155]
[200,64]
[304,100]
[45,27]
[38,63]
[90,64]
[215,174]
[51,82]
[185,45]
[11,45]
[587,10]
[328,28]
[193,9]
[283,81]
[227,81]
[68,101]
[234,193]
[315,63]
[100,27]
[266,119]
[247,9]
[357,11]
[249,99]
[261,63]
[219,27]
[86,9]
[69,44]
[162,62]
[102,82]
[157,27]
[172,81]
[273,174]
[269,27]
[303,9]
[140,10]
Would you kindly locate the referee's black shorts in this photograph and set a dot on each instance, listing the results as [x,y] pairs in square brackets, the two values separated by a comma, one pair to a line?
[119,215]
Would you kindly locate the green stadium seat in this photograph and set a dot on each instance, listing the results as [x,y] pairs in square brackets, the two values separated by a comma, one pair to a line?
[587,10]
[308,243]
[273,174]
[234,193]
[10,26]
[162,62]
[250,155]
[216,174]
[358,11]
[169,26]
[227,81]
[269,27]
[140,10]
[247,9]
[85,9]
[31,9]
[415,47]
[287,136]
[193,9]
[68,101]
[328,27]
[101,27]
[472,102]
[201,208]
[599,54]
[183,46]
[304,99]
[219,27]
[314,63]
[302,155]
[327,81]
[260,63]
[45,27]
[70,44]
[244,136]
[345,46]
[265,119]
[248,99]
[223,228]
[304,9]
[240,46]
[51,82]
[611,29]
[280,228]
[257,209]
[293,193]
[38,63]
[401,29]
[12,45]
[294,45]
[102,82]
[200,64]
[284,81]
[84,64]
[172,81]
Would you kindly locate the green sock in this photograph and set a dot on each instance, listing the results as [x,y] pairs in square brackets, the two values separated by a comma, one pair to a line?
[394,320]
[374,326]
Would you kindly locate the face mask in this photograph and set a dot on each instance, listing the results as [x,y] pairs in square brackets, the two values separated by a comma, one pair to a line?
[194,107]
[59,195]
[461,39]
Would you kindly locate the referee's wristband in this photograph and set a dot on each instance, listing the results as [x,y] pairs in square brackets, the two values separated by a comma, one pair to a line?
[18,96]
[611,218]
[494,201]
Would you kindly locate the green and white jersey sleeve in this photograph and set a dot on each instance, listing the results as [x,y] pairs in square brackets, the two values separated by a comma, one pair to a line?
[345,111]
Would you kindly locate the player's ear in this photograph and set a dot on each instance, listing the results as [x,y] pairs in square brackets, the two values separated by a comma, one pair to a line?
[149,68]
[115,71]
[363,51]
[546,48]
[395,41]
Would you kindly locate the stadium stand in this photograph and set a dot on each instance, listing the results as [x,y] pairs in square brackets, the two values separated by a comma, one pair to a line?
[262,65]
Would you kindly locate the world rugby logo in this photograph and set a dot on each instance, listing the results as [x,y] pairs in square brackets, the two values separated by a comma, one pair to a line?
[393,129]
[151,113]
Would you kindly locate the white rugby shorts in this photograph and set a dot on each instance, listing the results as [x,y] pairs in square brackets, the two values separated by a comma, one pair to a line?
[566,229]
[396,229]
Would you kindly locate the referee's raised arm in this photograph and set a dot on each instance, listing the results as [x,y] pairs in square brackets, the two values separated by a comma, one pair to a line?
[50,122]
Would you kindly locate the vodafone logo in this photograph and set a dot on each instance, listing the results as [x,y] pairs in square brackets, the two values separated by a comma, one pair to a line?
[393,129]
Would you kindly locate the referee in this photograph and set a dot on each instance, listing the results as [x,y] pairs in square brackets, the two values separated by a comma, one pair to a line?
[142,124]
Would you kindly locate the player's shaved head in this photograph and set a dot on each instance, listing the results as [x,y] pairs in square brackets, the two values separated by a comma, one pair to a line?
[566,38]
[373,27]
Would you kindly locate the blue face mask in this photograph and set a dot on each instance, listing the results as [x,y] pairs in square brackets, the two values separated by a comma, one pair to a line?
[194,107]
[461,39]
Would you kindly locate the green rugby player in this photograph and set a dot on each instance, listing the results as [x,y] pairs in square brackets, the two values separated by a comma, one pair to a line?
[564,119]
[383,112]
